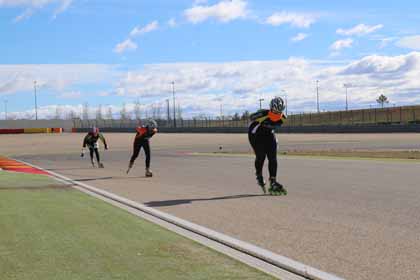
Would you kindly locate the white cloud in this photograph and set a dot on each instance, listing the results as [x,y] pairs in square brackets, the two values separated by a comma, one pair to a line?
[384,42]
[146,29]
[57,77]
[341,44]
[202,87]
[223,11]
[294,19]
[65,4]
[124,46]
[409,42]
[25,15]
[172,22]
[384,65]
[71,95]
[32,5]
[299,37]
[359,30]
[239,85]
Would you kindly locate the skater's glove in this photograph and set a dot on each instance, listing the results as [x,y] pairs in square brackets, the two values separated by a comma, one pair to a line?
[82,154]
[106,147]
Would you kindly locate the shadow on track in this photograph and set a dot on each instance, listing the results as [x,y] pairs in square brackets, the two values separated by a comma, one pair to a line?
[188,201]
[93,179]
[61,169]
[110,178]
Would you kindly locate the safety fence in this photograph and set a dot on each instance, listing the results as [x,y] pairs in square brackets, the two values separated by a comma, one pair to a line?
[377,116]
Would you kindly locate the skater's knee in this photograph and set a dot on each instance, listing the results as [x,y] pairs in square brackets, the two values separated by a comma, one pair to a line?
[272,159]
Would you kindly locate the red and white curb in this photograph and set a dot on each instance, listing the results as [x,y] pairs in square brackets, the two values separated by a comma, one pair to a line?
[284,263]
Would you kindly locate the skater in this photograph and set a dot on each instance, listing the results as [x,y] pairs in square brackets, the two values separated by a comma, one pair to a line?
[144,133]
[264,143]
[91,141]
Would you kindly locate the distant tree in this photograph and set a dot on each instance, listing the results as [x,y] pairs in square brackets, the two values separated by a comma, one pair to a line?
[71,115]
[99,115]
[236,117]
[123,113]
[85,111]
[57,115]
[154,109]
[245,115]
[109,114]
[179,112]
[27,116]
[382,100]
[137,110]
[201,117]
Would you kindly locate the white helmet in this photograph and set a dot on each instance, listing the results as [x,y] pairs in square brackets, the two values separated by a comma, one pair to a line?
[151,123]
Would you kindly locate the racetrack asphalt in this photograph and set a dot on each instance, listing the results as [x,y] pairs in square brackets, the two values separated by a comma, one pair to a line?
[357,219]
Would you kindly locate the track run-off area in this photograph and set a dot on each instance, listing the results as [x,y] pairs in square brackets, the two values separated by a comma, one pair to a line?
[356,218]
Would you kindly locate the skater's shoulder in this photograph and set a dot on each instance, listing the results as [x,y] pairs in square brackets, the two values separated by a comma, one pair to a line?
[260,113]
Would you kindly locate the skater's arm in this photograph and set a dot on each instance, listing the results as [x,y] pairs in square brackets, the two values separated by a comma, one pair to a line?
[103,141]
[259,115]
[85,141]
[153,132]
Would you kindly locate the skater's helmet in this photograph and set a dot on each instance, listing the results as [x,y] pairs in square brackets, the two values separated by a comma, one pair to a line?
[277,105]
[94,130]
[151,124]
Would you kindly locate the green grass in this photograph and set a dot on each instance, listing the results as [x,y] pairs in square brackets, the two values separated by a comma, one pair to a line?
[20,180]
[63,234]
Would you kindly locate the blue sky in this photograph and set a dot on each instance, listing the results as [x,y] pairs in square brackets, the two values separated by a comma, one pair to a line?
[217,52]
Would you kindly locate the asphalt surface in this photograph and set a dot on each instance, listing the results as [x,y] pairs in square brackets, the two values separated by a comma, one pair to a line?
[358,219]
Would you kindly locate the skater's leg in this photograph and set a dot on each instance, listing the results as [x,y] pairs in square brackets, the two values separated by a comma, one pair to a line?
[91,153]
[271,151]
[258,147]
[146,147]
[136,151]
[275,187]
[98,158]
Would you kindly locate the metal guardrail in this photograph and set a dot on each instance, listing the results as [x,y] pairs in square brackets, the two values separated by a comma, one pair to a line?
[376,116]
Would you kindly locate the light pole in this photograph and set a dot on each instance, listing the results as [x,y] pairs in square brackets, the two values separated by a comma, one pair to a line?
[347,102]
[173,95]
[168,111]
[317,95]
[261,100]
[5,109]
[36,104]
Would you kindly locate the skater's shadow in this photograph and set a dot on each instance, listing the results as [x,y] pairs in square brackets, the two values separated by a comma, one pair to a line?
[63,169]
[164,203]
[93,179]
[109,178]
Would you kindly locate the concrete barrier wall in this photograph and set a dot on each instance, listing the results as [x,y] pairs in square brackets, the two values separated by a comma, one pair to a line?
[67,125]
